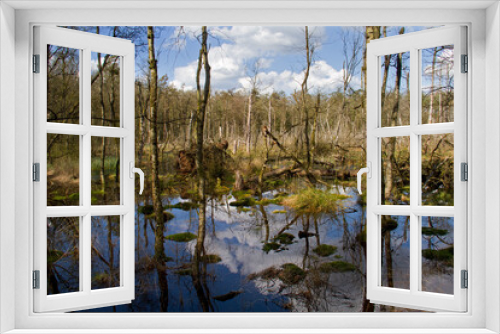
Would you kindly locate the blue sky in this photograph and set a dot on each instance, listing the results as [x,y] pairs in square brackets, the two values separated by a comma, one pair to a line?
[235,51]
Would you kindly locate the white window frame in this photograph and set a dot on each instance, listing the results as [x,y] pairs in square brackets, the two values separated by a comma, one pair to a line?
[85,43]
[413,43]
[484,102]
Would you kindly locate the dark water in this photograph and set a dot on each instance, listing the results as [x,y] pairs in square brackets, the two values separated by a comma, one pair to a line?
[248,272]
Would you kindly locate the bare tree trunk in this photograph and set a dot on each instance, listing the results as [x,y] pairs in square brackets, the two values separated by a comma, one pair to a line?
[269,118]
[203,96]
[249,121]
[305,110]
[155,181]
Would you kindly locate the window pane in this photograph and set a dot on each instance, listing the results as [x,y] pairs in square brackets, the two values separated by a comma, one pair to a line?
[437,84]
[63,85]
[63,170]
[105,171]
[395,251]
[395,182]
[437,254]
[394,89]
[63,251]
[105,89]
[105,252]
[437,170]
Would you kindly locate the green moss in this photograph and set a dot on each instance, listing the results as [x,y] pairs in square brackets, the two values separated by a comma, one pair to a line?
[291,273]
[429,231]
[166,216]
[74,197]
[146,209]
[239,194]
[211,258]
[58,197]
[325,250]
[314,201]
[444,255]
[247,201]
[389,225]
[279,211]
[284,238]
[54,255]
[267,201]
[243,209]
[186,206]
[183,272]
[181,237]
[337,267]
[270,246]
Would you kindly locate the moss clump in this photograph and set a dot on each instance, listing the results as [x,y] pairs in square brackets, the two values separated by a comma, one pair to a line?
[54,255]
[211,258]
[325,250]
[337,267]
[186,206]
[166,216]
[181,237]
[429,231]
[247,201]
[183,272]
[444,255]
[146,209]
[291,273]
[267,201]
[266,274]
[74,197]
[284,238]
[389,225]
[270,246]
[279,211]
[314,201]
[240,194]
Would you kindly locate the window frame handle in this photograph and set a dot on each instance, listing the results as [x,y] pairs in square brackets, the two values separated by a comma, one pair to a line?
[132,171]
[368,171]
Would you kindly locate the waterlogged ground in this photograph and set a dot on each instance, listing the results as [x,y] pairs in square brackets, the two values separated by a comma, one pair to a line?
[265,259]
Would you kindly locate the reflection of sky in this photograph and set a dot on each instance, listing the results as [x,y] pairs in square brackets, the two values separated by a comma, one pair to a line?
[237,237]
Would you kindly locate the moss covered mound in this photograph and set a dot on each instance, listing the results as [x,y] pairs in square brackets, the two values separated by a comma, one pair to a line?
[444,255]
[211,258]
[337,267]
[181,237]
[314,201]
[146,209]
[284,238]
[270,246]
[389,225]
[246,201]
[429,231]
[325,250]
[291,273]
[186,206]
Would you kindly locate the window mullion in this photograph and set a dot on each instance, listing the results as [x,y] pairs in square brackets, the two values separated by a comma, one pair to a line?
[415,170]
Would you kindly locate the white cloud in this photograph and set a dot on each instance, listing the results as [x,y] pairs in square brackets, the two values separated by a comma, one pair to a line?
[243,46]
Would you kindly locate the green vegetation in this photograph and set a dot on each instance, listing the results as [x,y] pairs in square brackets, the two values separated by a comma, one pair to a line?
[181,237]
[185,206]
[284,238]
[314,201]
[444,255]
[291,273]
[211,258]
[279,211]
[429,231]
[146,209]
[270,246]
[325,250]
[389,224]
[54,255]
[337,267]
[246,201]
